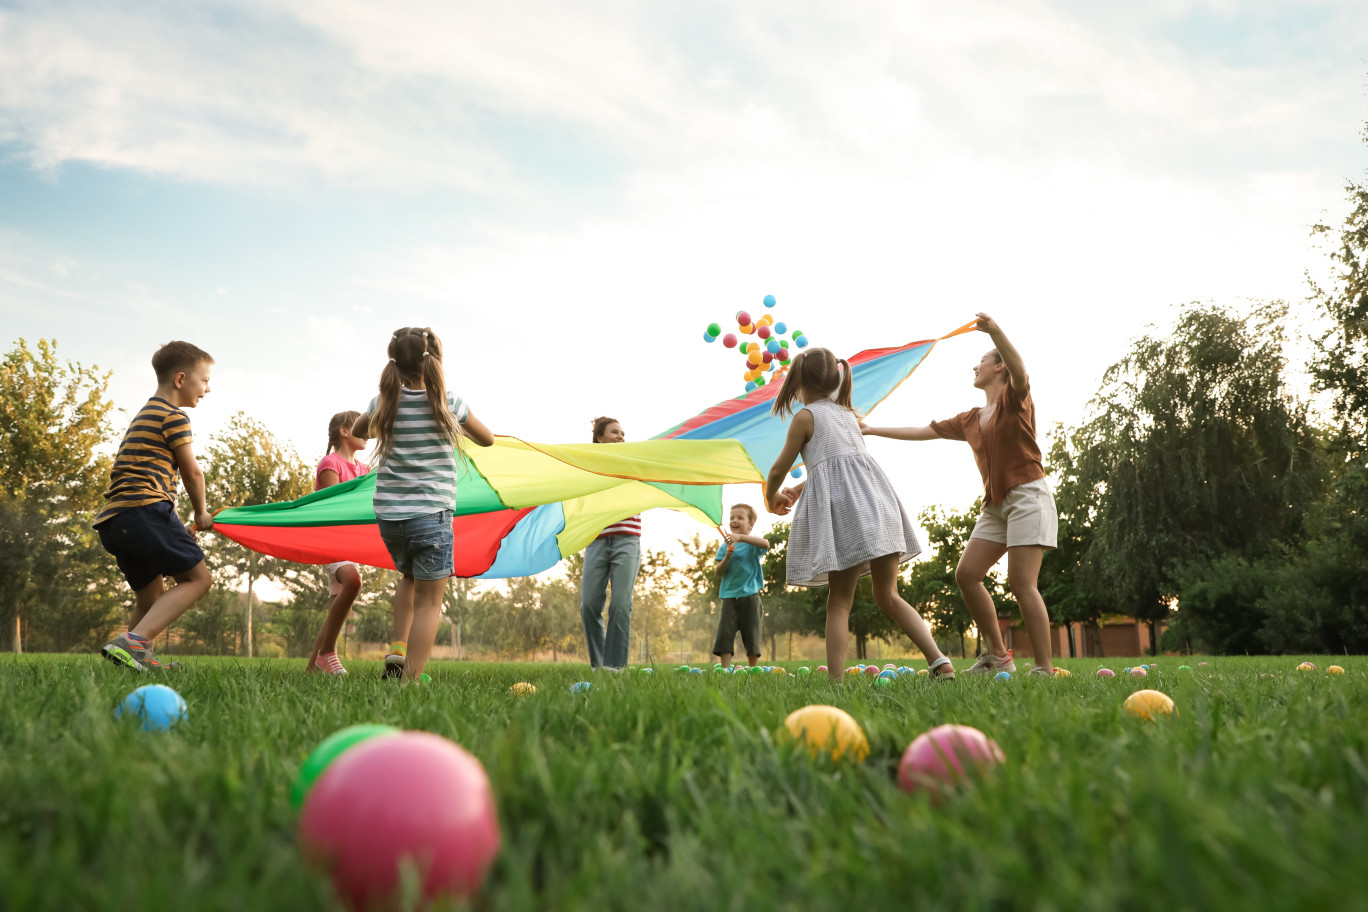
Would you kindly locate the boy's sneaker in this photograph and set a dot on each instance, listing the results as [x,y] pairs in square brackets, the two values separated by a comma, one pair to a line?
[132,653]
[991,664]
[394,666]
[330,663]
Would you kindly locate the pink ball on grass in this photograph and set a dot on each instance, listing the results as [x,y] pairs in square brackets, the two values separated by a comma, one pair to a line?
[1105,673]
[1139,673]
[408,799]
[821,668]
[871,670]
[947,755]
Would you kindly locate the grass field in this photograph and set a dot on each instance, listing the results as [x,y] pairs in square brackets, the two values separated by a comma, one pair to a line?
[673,792]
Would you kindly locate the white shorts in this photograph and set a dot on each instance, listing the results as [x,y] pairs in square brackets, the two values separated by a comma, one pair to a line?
[1026,516]
[334,584]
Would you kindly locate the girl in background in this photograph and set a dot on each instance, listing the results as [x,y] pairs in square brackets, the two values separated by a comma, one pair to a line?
[614,557]
[344,577]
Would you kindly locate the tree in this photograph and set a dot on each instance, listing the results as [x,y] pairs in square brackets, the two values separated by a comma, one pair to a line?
[247,465]
[651,609]
[53,417]
[1063,576]
[1194,449]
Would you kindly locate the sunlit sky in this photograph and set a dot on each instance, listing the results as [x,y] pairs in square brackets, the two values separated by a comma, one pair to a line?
[569,193]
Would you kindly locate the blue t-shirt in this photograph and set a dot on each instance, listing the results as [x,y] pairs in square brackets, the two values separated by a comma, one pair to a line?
[744,574]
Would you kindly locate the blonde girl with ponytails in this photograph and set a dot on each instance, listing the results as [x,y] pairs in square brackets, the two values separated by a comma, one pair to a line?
[419,427]
[847,520]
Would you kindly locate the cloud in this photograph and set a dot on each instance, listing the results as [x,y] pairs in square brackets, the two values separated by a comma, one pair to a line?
[506,99]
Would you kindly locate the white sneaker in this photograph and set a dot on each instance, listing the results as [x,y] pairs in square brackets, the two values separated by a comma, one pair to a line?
[991,664]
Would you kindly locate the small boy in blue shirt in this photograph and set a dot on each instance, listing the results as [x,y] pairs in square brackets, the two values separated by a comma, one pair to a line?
[741,579]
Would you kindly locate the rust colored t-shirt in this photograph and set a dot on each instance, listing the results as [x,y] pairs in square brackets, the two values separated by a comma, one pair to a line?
[1006,452]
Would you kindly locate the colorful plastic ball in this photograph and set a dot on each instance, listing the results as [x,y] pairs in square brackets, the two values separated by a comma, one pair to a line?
[647,671]
[804,671]
[796,473]
[769,300]
[695,671]
[1306,666]
[871,670]
[717,666]
[1184,668]
[821,668]
[1062,673]
[888,674]
[522,688]
[714,330]
[580,687]
[747,329]
[881,681]
[772,346]
[1149,704]
[708,338]
[1139,673]
[156,706]
[801,341]
[410,801]
[1334,670]
[729,340]
[783,355]
[861,666]
[889,665]
[759,381]
[753,357]
[328,750]
[828,730]
[1105,673]
[923,671]
[743,318]
[750,385]
[947,756]
[780,328]
[1003,676]
[779,671]
[763,331]
[1200,664]
[1126,670]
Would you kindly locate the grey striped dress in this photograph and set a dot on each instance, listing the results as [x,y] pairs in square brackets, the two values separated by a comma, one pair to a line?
[848,513]
[418,477]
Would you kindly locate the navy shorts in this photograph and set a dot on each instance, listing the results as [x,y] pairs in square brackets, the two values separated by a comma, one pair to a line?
[421,547]
[149,542]
[739,615]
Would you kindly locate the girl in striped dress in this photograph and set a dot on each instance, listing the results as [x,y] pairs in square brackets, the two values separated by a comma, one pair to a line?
[848,522]
[419,426]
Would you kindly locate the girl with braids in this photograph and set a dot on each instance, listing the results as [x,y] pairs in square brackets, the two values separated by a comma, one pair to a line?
[344,577]
[419,427]
[1019,517]
[848,522]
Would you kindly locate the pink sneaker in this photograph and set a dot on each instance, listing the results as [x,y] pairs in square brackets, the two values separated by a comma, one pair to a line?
[329,662]
[991,664]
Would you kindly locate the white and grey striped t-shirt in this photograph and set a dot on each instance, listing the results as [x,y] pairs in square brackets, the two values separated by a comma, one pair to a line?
[418,476]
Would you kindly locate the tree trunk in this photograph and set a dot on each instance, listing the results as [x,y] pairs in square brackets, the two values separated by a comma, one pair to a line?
[459,653]
[790,646]
[1073,651]
[1154,641]
[859,646]
[251,579]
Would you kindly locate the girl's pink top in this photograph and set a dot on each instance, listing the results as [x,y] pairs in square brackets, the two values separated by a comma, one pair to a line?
[346,471]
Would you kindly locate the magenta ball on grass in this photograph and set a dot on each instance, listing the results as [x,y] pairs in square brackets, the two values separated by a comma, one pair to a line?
[946,755]
[1139,673]
[821,668]
[408,799]
[1105,673]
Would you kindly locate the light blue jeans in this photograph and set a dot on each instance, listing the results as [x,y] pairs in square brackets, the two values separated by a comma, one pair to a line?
[609,561]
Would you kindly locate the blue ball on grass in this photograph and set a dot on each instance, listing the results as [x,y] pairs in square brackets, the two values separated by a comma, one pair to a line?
[156,706]
[1003,676]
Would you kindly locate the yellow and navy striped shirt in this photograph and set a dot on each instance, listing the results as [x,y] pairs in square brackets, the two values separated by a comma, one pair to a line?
[145,470]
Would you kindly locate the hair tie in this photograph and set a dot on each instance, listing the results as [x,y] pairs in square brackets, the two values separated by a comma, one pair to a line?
[392,361]
[425,334]
[425,354]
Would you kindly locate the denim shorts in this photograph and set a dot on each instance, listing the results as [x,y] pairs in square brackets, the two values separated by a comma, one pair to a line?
[422,546]
[149,542]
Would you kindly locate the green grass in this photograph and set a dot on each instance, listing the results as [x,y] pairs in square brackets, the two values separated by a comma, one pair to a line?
[674,793]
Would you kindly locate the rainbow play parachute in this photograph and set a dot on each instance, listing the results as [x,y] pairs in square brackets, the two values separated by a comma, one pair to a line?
[523,507]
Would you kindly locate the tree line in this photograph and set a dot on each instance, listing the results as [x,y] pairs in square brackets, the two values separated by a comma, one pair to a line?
[1215,484]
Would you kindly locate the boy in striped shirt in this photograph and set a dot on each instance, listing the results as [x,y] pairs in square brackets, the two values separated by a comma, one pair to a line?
[138,524]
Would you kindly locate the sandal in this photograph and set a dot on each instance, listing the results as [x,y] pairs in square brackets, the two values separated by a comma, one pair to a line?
[947,675]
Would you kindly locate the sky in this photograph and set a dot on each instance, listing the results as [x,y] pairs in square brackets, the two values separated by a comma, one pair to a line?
[569,193]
